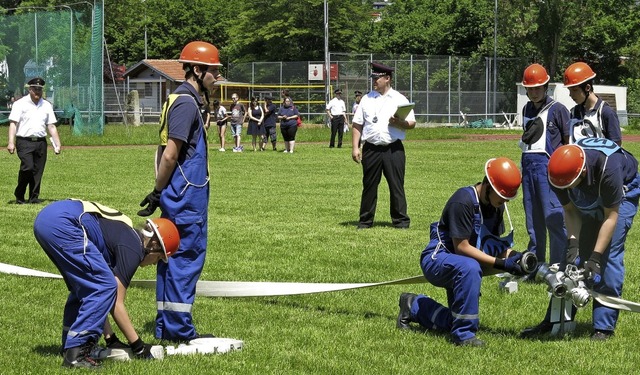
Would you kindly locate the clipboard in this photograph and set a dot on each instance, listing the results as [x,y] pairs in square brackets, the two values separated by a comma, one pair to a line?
[403,110]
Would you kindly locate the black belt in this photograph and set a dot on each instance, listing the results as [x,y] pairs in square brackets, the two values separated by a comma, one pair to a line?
[33,139]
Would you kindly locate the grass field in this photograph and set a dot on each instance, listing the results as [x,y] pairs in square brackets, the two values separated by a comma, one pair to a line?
[281,217]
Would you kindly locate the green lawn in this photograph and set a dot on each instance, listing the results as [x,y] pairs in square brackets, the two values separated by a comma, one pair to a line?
[281,217]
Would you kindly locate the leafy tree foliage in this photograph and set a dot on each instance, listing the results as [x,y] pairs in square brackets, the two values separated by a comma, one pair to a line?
[283,30]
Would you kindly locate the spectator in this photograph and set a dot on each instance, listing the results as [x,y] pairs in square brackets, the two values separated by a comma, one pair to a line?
[220,115]
[238,116]
[256,128]
[270,118]
[337,112]
[288,115]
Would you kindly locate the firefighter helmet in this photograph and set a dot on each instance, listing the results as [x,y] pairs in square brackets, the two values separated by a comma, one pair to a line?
[566,165]
[167,234]
[200,53]
[577,73]
[535,75]
[504,176]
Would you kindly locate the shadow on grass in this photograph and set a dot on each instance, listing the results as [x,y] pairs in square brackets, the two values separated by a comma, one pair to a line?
[383,224]
[47,350]
[323,309]
[582,331]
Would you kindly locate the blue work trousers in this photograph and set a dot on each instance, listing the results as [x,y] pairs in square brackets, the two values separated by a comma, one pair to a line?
[461,276]
[605,318]
[543,211]
[91,283]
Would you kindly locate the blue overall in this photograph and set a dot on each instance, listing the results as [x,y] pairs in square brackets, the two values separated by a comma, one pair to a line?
[74,243]
[592,212]
[541,206]
[460,275]
[184,201]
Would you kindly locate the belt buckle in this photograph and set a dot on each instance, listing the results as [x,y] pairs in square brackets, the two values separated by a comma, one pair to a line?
[34,139]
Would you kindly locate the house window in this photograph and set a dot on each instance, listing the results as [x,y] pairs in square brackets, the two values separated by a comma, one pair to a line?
[148,90]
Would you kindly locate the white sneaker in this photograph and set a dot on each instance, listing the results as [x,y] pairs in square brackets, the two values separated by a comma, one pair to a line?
[235,149]
[286,151]
[222,149]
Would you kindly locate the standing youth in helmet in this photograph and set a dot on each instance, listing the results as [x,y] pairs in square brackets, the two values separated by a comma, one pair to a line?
[598,185]
[465,246]
[97,252]
[591,117]
[182,191]
[545,125]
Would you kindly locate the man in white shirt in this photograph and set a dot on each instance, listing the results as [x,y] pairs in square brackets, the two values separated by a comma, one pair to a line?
[337,112]
[30,118]
[382,151]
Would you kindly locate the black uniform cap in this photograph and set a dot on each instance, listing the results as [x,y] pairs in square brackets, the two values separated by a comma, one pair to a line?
[36,82]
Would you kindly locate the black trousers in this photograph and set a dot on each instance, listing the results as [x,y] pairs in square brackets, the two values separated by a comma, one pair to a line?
[390,161]
[337,126]
[33,157]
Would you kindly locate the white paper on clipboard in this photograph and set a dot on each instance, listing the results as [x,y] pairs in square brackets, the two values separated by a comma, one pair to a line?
[403,110]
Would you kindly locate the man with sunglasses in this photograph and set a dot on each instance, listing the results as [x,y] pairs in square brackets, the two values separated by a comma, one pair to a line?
[30,118]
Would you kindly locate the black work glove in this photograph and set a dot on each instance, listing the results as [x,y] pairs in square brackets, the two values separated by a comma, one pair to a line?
[528,262]
[573,253]
[113,342]
[141,350]
[510,264]
[152,201]
[592,269]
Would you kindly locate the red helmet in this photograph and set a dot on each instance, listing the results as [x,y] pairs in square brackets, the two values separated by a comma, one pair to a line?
[565,165]
[200,53]
[535,75]
[504,176]
[167,234]
[577,73]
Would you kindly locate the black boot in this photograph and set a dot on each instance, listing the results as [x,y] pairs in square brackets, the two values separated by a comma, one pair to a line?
[78,357]
[404,316]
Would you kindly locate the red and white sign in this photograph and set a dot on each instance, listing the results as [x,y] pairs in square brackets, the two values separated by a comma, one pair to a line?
[316,72]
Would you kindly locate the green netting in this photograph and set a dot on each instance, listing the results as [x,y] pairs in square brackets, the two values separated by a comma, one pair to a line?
[62,44]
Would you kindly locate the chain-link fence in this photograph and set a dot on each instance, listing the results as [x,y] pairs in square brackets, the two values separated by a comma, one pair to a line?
[63,45]
[443,87]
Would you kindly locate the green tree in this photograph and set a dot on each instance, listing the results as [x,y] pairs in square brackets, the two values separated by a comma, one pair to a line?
[169,26]
[282,30]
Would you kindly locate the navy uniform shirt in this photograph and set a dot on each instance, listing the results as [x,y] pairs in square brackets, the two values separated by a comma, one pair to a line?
[621,169]
[184,118]
[458,214]
[124,246]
